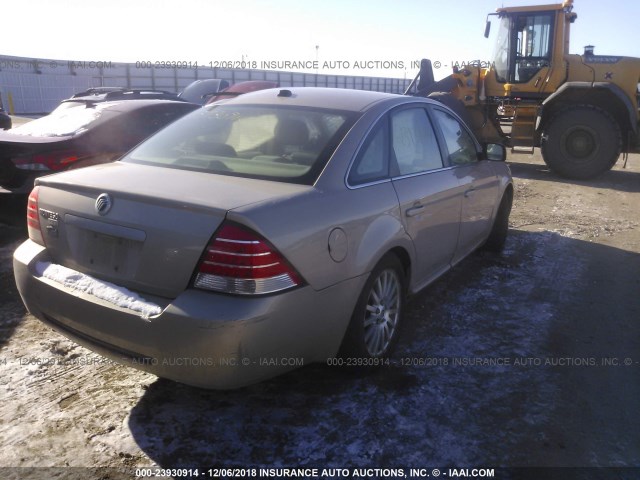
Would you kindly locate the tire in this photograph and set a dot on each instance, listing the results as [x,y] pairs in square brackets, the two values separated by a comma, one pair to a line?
[581,142]
[500,229]
[373,330]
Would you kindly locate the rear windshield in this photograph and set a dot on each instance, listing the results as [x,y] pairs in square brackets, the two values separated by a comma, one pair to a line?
[62,122]
[287,144]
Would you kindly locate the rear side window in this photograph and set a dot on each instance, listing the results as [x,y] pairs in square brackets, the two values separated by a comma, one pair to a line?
[288,144]
[372,163]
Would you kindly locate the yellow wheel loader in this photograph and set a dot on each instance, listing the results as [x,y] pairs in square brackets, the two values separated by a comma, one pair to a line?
[581,110]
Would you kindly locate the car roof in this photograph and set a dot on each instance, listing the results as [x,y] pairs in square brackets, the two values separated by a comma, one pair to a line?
[315,97]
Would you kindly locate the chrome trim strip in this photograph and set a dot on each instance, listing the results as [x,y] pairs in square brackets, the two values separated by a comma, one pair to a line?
[362,185]
[217,264]
[243,242]
[426,172]
[222,252]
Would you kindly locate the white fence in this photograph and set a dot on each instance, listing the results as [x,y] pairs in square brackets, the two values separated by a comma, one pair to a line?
[36,86]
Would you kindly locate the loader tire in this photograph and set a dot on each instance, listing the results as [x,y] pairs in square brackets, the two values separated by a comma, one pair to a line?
[581,142]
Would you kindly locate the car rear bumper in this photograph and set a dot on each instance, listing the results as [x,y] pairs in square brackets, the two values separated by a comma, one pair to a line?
[200,338]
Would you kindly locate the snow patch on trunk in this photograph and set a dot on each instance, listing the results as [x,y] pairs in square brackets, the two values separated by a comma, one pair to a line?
[106,291]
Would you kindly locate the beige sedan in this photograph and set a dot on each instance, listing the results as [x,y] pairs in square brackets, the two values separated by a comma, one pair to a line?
[277,229]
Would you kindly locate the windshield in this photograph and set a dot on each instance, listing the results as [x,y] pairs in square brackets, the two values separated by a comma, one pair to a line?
[269,142]
[501,51]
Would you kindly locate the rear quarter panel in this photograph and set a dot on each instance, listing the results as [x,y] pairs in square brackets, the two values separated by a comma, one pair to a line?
[301,225]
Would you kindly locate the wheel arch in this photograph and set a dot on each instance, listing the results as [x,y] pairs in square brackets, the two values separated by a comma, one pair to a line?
[355,342]
[508,191]
[401,253]
[405,260]
[499,231]
[382,236]
[608,97]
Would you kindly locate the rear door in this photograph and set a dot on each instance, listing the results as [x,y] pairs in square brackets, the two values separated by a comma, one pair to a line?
[427,190]
[478,182]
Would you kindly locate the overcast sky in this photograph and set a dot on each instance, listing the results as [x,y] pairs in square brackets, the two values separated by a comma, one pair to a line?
[383,37]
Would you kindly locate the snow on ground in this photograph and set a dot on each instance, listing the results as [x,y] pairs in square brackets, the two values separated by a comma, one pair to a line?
[432,406]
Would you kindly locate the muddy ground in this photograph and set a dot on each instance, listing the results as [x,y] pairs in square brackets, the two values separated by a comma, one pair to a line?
[530,358]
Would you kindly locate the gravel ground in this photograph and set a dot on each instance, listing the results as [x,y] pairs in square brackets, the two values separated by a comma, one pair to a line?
[529,358]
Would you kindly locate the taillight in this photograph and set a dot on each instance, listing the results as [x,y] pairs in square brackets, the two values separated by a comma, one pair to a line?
[239,261]
[33,217]
[46,161]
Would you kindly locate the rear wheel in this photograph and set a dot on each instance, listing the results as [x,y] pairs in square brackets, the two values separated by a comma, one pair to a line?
[581,142]
[375,321]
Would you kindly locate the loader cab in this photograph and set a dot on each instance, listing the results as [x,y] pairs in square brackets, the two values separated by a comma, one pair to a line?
[529,49]
[523,46]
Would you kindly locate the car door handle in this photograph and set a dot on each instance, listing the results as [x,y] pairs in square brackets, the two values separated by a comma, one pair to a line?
[468,193]
[415,210]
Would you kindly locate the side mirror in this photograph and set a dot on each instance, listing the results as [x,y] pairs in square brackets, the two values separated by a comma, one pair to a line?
[487,29]
[494,152]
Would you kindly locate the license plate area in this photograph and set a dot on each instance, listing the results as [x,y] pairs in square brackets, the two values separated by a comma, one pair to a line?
[109,250]
[109,254]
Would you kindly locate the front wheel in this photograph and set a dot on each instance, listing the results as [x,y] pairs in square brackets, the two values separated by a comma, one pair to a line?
[581,142]
[375,321]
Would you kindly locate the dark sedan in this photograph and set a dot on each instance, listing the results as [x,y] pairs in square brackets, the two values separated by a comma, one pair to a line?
[79,137]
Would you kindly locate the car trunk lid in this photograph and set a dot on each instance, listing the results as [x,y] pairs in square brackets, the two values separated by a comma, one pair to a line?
[138,226]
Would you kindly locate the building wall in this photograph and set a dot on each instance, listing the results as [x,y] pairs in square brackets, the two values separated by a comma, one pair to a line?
[36,86]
